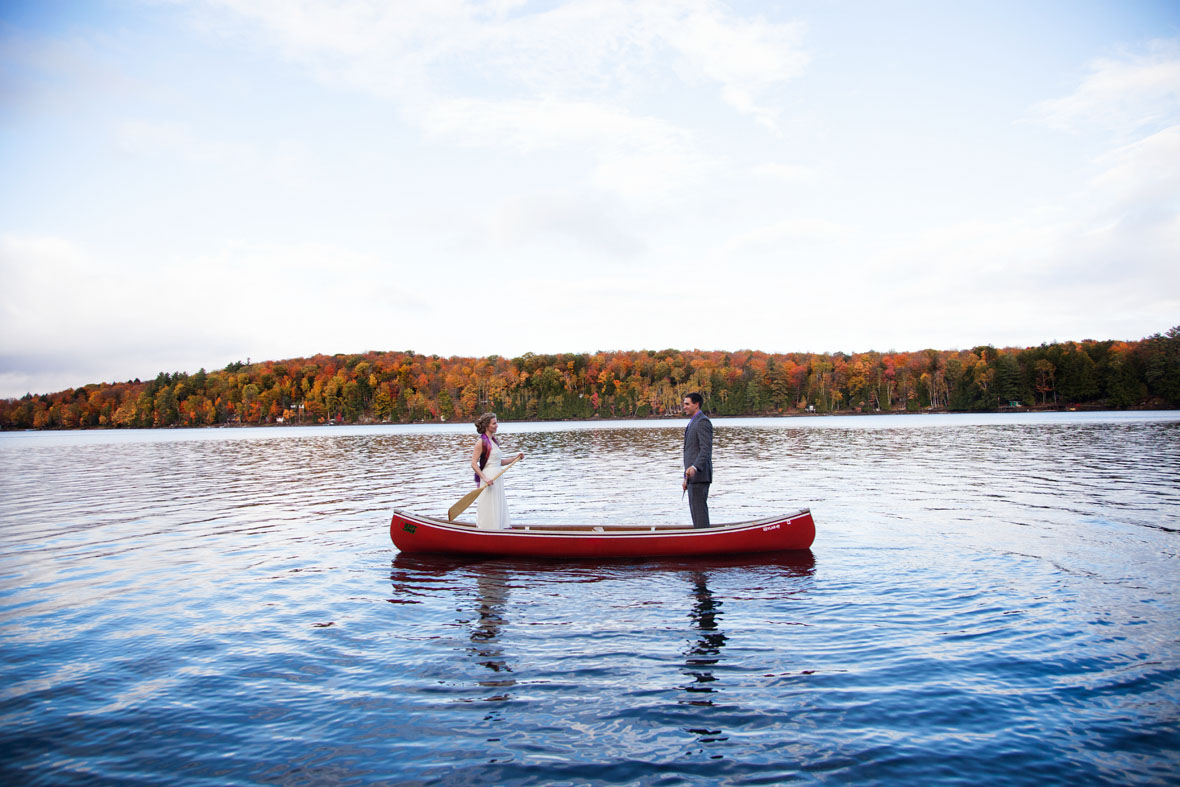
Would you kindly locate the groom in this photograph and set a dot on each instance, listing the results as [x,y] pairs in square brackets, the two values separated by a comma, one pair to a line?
[698,459]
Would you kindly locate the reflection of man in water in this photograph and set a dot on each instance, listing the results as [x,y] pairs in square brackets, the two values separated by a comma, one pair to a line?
[706,650]
[698,459]
[703,654]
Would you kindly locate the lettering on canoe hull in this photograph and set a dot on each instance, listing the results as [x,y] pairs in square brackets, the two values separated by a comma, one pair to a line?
[409,528]
[769,527]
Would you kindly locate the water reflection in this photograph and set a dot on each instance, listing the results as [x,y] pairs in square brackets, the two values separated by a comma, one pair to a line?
[704,651]
[491,599]
[703,657]
[416,578]
[442,576]
[703,654]
[482,590]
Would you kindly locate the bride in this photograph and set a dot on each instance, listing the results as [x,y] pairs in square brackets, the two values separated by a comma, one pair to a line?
[493,508]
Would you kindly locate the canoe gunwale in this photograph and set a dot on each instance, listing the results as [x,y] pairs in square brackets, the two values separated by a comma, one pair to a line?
[576,531]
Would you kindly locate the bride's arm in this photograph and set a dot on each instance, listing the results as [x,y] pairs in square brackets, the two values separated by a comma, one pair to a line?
[475,454]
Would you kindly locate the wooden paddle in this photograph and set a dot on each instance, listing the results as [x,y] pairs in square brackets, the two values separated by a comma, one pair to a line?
[469,498]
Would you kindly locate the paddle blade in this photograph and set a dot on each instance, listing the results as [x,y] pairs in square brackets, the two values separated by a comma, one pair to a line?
[465,501]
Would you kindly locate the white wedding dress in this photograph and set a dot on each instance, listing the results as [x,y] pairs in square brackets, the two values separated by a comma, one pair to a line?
[492,513]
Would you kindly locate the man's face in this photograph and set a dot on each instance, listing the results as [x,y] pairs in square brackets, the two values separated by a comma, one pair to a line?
[690,407]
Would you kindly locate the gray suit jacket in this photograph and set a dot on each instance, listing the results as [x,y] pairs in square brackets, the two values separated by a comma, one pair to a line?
[698,448]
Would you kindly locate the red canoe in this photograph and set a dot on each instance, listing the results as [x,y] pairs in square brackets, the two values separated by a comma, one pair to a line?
[416,534]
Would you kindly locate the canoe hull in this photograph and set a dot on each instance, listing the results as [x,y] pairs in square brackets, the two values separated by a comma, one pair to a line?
[413,534]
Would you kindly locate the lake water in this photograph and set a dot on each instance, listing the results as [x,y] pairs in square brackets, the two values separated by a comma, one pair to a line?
[989,598]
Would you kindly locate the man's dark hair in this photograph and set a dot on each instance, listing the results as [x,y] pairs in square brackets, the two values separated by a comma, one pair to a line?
[696,398]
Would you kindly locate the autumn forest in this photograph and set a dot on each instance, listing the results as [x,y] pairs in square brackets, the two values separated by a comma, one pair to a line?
[408,387]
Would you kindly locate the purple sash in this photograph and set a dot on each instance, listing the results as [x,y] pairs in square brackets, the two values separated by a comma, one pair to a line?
[483,456]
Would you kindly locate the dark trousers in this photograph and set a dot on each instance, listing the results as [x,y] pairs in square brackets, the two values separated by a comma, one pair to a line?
[698,497]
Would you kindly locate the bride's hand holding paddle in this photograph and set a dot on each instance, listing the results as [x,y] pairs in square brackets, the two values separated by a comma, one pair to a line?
[507,464]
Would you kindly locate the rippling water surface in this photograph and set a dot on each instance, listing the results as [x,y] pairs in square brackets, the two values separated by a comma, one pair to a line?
[988,598]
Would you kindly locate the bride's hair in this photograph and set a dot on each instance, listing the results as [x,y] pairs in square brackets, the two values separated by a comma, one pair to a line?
[481,423]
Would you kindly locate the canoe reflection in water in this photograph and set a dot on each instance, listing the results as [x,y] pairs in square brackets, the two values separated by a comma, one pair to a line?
[503,641]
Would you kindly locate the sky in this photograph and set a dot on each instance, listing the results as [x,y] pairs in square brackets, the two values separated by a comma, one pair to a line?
[188,183]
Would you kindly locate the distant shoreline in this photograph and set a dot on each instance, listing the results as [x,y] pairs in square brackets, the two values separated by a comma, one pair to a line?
[409,388]
[610,419]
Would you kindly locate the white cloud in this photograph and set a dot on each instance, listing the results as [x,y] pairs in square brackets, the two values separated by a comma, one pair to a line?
[604,83]
[790,173]
[147,138]
[460,55]
[576,222]
[1130,240]
[532,125]
[38,272]
[582,311]
[631,155]
[573,45]
[1124,231]
[1144,173]
[1122,94]
[269,301]
[747,57]
[783,239]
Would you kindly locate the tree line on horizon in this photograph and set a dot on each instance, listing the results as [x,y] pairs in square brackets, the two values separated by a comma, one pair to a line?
[409,387]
